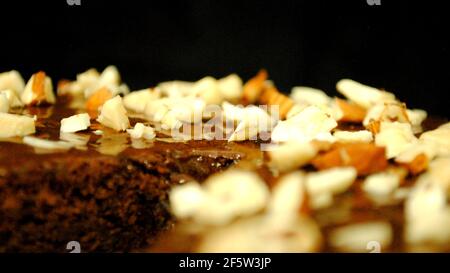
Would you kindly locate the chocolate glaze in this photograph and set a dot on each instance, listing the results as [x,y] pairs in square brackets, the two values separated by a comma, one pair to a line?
[350,207]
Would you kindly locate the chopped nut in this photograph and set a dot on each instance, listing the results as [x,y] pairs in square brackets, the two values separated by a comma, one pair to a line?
[13,99]
[350,112]
[47,144]
[39,90]
[186,199]
[85,81]
[320,201]
[252,121]
[136,100]
[114,115]
[358,237]
[142,131]
[15,125]
[363,95]
[440,138]
[231,194]
[439,172]
[231,88]
[291,155]
[334,181]
[4,103]
[366,158]
[427,214]
[288,195]
[416,117]
[391,111]
[309,96]
[305,126]
[12,80]
[208,90]
[263,234]
[75,123]
[355,136]
[396,137]
[384,183]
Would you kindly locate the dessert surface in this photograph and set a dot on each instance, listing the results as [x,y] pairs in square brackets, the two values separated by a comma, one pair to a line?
[218,165]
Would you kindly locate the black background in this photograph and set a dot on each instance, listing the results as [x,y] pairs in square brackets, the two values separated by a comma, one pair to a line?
[401,46]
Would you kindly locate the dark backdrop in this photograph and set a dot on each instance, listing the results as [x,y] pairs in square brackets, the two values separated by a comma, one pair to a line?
[401,45]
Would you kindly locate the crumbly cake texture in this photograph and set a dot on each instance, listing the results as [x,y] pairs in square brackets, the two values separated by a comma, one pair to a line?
[217,165]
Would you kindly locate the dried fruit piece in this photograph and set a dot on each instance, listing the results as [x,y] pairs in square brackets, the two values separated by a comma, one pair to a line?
[418,165]
[272,97]
[254,87]
[366,158]
[97,99]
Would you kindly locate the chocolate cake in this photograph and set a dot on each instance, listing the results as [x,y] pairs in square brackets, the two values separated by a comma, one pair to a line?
[106,202]
[185,167]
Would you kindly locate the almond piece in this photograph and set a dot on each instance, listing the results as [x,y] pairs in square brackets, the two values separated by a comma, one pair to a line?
[114,115]
[291,155]
[309,96]
[334,181]
[39,90]
[383,183]
[353,136]
[4,103]
[231,87]
[15,125]
[136,100]
[366,158]
[13,100]
[363,95]
[350,112]
[12,80]
[396,137]
[75,123]
[97,99]
[141,131]
[254,87]
[47,144]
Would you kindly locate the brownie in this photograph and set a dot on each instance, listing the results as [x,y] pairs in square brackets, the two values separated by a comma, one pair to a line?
[108,202]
